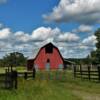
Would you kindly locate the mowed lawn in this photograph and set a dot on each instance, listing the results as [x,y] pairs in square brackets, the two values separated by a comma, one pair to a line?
[44,89]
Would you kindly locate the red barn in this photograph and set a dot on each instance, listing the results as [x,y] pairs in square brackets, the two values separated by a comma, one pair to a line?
[48,57]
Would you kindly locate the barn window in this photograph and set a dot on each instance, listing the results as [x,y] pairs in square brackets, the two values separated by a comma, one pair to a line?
[49,49]
[48,60]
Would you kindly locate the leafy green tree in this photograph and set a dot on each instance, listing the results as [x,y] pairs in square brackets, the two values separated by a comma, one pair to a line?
[14,59]
[95,55]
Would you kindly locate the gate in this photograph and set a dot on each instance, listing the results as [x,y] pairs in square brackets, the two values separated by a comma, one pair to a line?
[8,80]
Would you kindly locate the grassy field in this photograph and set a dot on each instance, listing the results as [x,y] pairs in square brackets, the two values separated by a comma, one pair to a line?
[19,69]
[64,89]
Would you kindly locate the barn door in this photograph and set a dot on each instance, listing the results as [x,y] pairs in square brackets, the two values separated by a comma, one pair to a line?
[47,66]
[60,67]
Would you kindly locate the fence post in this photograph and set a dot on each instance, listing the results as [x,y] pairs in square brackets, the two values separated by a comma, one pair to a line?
[74,71]
[8,81]
[14,79]
[81,70]
[89,73]
[25,75]
[99,73]
[6,84]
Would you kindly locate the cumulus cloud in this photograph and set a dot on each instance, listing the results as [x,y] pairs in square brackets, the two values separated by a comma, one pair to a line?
[44,33]
[21,36]
[83,28]
[29,44]
[81,11]
[5,33]
[74,50]
[68,37]
[91,40]
[48,34]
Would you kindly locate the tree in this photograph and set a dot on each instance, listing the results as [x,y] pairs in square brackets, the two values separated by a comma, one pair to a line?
[95,55]
[14,59]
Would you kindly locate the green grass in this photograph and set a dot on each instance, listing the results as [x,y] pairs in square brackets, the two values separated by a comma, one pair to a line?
[2,70]
[43,89]
[19,69]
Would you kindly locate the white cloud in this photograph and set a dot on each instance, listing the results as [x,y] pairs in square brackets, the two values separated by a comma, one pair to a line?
[84,28]
[91,40]
[68,37]
[81,11]
[5,33]
[21,36]
[44,33]
[74,50]
[48,34]
[2,44]
[29,44]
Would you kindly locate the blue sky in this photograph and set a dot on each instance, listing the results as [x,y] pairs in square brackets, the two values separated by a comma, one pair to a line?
[69,24]
[25,15]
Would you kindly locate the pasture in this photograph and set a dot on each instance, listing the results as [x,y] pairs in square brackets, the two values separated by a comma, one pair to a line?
[45,89]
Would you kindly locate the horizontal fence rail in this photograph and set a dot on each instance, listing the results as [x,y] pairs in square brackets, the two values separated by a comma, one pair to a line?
[87,72]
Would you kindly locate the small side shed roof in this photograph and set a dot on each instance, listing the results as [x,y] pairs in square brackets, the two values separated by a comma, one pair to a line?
[66,61]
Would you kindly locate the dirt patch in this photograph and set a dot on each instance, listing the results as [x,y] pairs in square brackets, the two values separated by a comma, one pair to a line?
[86,95]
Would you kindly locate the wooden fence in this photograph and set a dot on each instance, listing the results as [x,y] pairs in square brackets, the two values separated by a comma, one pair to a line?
[27,74]
[8,80]
[87,73]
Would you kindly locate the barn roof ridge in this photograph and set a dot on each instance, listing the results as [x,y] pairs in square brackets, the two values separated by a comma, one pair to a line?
[68,61]
[47,45]
[50,43]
